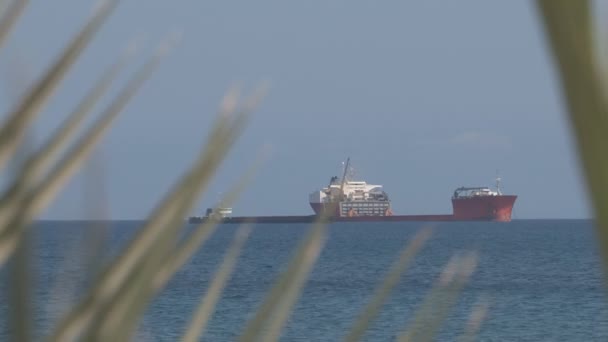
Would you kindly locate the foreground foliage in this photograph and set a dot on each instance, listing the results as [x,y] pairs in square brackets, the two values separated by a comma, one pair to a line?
[111,308]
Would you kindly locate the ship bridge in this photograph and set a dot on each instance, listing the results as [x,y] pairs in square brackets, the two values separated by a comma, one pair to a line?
[361,191]
[464,192]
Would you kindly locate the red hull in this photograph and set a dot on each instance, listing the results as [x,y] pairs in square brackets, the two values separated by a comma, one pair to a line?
[490,208]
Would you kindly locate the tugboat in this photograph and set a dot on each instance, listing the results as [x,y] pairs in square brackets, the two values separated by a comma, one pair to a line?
[212,214]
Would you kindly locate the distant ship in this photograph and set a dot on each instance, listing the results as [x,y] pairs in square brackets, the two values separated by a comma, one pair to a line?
[347,200]
[480,203]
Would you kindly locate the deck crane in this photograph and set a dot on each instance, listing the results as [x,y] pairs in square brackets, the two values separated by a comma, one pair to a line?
[344,179]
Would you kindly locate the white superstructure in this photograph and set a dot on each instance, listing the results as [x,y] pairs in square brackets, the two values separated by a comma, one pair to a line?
[221,212]
[352,190]
[352,197]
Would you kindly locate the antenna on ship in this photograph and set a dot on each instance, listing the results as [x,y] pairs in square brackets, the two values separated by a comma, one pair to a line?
[498,180]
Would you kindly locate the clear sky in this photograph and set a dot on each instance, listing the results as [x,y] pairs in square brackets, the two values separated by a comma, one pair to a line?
[424,96]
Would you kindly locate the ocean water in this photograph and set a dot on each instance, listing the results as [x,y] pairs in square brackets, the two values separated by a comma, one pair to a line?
[543,279]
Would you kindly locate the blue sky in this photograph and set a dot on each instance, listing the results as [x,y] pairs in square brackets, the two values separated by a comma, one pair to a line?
[424,96]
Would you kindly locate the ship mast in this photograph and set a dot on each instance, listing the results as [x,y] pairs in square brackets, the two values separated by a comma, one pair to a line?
[498,180]
[344,177]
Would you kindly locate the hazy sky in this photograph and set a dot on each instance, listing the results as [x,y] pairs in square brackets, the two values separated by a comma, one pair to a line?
[424,96]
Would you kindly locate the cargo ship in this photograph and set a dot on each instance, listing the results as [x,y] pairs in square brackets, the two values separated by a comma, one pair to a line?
[348,200]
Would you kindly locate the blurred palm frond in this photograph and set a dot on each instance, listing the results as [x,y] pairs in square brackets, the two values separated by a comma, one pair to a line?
[571,39]
[113,305]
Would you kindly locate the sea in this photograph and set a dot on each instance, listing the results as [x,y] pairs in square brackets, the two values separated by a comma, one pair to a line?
[540,279]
